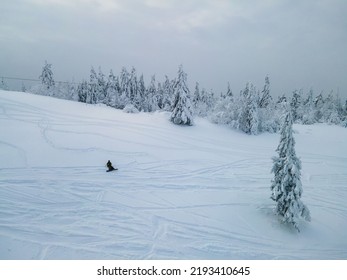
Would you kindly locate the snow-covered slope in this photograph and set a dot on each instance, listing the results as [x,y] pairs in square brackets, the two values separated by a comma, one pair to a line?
[199,192]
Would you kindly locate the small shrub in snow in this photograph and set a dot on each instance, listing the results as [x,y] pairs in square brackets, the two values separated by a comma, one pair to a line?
[130,108]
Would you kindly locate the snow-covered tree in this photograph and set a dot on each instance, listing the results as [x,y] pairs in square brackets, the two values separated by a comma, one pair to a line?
[330,110]
[229,92]
[101,89]
[160,96]
[196,96]
[309,110]
[46,76]
[182,108]
[168,94]
[24,89]
[296,105]
[3,85]
[202,102]
[151,100]
[286,185]
[69,91]
[267,113]
[265,98]
[318,107]
[124,87]
[133,86]
[225,110]
[112,91]
[141,93]
[249,118]
[208,101]
[92,87]
[344,115]
[282,99]
[82,92]
[269,118]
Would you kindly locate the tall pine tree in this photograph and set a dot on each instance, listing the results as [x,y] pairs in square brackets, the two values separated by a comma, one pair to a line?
[46,76]
[286,185]
[249,117]
[168,94]
[112,91]
[92,87]
[266,98]
[182,108]
[82,92]
[151,95]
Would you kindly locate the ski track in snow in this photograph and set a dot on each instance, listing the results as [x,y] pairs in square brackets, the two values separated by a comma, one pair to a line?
[179,193]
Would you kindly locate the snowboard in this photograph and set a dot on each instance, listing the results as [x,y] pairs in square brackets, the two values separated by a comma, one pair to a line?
[114,169]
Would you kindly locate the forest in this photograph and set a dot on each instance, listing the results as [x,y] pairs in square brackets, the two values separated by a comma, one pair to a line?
[252,110]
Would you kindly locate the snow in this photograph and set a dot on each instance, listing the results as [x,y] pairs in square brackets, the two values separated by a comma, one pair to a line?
[200,192]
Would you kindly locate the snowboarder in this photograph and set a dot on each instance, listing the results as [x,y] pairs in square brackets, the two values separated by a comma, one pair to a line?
[109,166]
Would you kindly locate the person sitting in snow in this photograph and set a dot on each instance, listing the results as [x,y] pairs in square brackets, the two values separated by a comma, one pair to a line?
[109,166]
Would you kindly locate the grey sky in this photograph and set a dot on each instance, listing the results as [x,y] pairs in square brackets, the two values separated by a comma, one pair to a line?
[299,43]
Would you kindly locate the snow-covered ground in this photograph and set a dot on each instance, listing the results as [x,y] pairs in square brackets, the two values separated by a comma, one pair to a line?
[198,192]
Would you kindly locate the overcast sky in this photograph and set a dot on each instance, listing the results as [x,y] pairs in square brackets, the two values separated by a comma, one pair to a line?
[298,43]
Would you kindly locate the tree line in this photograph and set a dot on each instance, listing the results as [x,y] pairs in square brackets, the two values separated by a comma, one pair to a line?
[252,111]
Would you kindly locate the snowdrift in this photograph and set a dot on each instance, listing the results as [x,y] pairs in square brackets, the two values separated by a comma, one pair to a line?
[200,192]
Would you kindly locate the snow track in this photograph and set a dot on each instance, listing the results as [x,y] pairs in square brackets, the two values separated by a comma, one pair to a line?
[198,192]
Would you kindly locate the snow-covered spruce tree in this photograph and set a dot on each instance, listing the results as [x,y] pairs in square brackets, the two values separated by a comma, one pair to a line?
[141,92]
[249,118]
[196,98]
[182,108]
[330,111]
[133,84]
[296,105]
[229,92]
[151,102]
[168,94]
[82,92]
[267,113]
[201,102]
[46,76]
[124,88]
[101,89]
[92,87]
[309,110]
[23,89]
[286,185]
[344,115]
[160,96]
[318,107]
[206,103]
[265,98]
[112,91]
